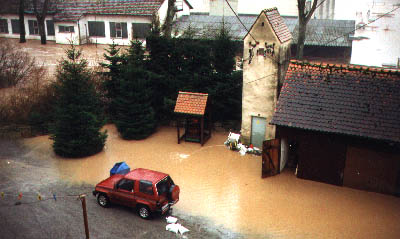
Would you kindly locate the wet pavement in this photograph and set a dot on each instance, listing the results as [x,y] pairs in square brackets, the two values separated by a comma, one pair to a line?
[226,191]
[22,172]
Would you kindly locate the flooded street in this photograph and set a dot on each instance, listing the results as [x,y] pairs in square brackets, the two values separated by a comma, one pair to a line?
[226,189]
[49,55]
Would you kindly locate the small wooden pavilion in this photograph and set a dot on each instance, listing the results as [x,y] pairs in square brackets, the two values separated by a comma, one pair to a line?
[193,116]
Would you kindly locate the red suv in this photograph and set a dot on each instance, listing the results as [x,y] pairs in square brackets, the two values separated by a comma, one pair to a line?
[146,190]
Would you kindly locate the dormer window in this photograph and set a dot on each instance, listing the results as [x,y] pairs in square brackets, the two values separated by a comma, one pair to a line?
[262,24]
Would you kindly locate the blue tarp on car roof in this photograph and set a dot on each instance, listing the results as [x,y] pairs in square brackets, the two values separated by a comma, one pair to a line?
[120,168]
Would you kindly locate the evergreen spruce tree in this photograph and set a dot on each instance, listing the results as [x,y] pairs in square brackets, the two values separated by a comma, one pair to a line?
[135,118]
[78,110]
[226,90]
[135,56]
[224,51]
[114,65]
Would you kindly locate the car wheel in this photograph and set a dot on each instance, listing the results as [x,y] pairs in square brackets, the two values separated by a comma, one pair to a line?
[144,212]
[103,200]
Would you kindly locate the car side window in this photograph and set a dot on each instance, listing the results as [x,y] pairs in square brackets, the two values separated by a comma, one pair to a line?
[146,187]
[126,184]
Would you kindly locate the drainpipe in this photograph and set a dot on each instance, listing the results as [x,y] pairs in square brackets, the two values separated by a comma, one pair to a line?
[79,33]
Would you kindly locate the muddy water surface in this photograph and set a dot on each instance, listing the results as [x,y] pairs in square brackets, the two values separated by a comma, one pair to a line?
[226,188]
[51,54]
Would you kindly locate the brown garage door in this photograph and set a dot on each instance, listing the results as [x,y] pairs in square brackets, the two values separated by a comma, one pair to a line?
[371,170]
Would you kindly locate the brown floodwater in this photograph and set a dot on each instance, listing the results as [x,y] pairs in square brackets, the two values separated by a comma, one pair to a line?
[51,54]
[227,189]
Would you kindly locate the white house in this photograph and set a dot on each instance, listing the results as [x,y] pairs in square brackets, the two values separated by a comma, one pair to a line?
[99,22]
[376,40]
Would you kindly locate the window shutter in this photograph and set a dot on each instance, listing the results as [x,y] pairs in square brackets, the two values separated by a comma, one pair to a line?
[15,26]
[30,23]
[124,30]
[112,29]
[50,27]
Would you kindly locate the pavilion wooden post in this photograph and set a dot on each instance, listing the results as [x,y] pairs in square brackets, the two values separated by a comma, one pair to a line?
[177,129]
[202,131]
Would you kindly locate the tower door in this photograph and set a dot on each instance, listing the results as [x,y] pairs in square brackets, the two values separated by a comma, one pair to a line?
[258,125]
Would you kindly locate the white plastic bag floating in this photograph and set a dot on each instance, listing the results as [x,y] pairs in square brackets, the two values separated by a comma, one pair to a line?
[176,227]
[234,137]
[171,219]
[242,149]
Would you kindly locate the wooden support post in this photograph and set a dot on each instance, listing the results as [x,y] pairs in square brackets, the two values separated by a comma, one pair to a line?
[177,128]
[202,131]
[186,127]
[83,200]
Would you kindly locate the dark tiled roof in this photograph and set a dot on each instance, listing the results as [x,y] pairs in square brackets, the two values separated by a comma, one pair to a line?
[344,99]
[73,10]
[278,25]
[191,103]
[320,32]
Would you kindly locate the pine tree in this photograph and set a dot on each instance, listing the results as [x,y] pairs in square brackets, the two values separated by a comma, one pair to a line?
[78,110]
[224,51]
[135,118]
[135,56]
[226,90]
[114,65]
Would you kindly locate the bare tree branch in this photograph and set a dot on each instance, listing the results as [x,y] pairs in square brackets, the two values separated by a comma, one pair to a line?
[304,18]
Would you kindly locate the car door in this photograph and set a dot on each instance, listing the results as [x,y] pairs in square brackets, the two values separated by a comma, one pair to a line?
[146,194]
[124,192]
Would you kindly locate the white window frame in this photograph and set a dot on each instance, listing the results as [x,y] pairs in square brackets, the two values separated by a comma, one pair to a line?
[35,27]
[118,30]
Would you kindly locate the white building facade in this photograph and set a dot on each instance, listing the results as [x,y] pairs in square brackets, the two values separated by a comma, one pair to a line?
[377,38]
[100,24]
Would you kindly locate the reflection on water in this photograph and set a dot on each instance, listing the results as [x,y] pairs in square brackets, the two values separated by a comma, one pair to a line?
[227,188]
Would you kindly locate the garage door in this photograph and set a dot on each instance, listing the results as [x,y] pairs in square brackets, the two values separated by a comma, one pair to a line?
[371,170]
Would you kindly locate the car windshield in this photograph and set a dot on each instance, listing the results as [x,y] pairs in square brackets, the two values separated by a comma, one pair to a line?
[164,185]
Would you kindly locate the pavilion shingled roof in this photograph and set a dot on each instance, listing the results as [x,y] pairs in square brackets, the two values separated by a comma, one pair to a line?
[191,103]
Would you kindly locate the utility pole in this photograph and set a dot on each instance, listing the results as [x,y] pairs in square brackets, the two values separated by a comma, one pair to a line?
[82,197]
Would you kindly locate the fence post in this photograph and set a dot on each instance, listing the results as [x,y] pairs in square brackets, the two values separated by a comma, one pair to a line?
[82,197]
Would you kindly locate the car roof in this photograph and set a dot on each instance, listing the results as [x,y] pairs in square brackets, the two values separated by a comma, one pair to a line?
[145,174]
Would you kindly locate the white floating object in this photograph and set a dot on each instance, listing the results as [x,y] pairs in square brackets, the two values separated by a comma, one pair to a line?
[184,156]
[243,149]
